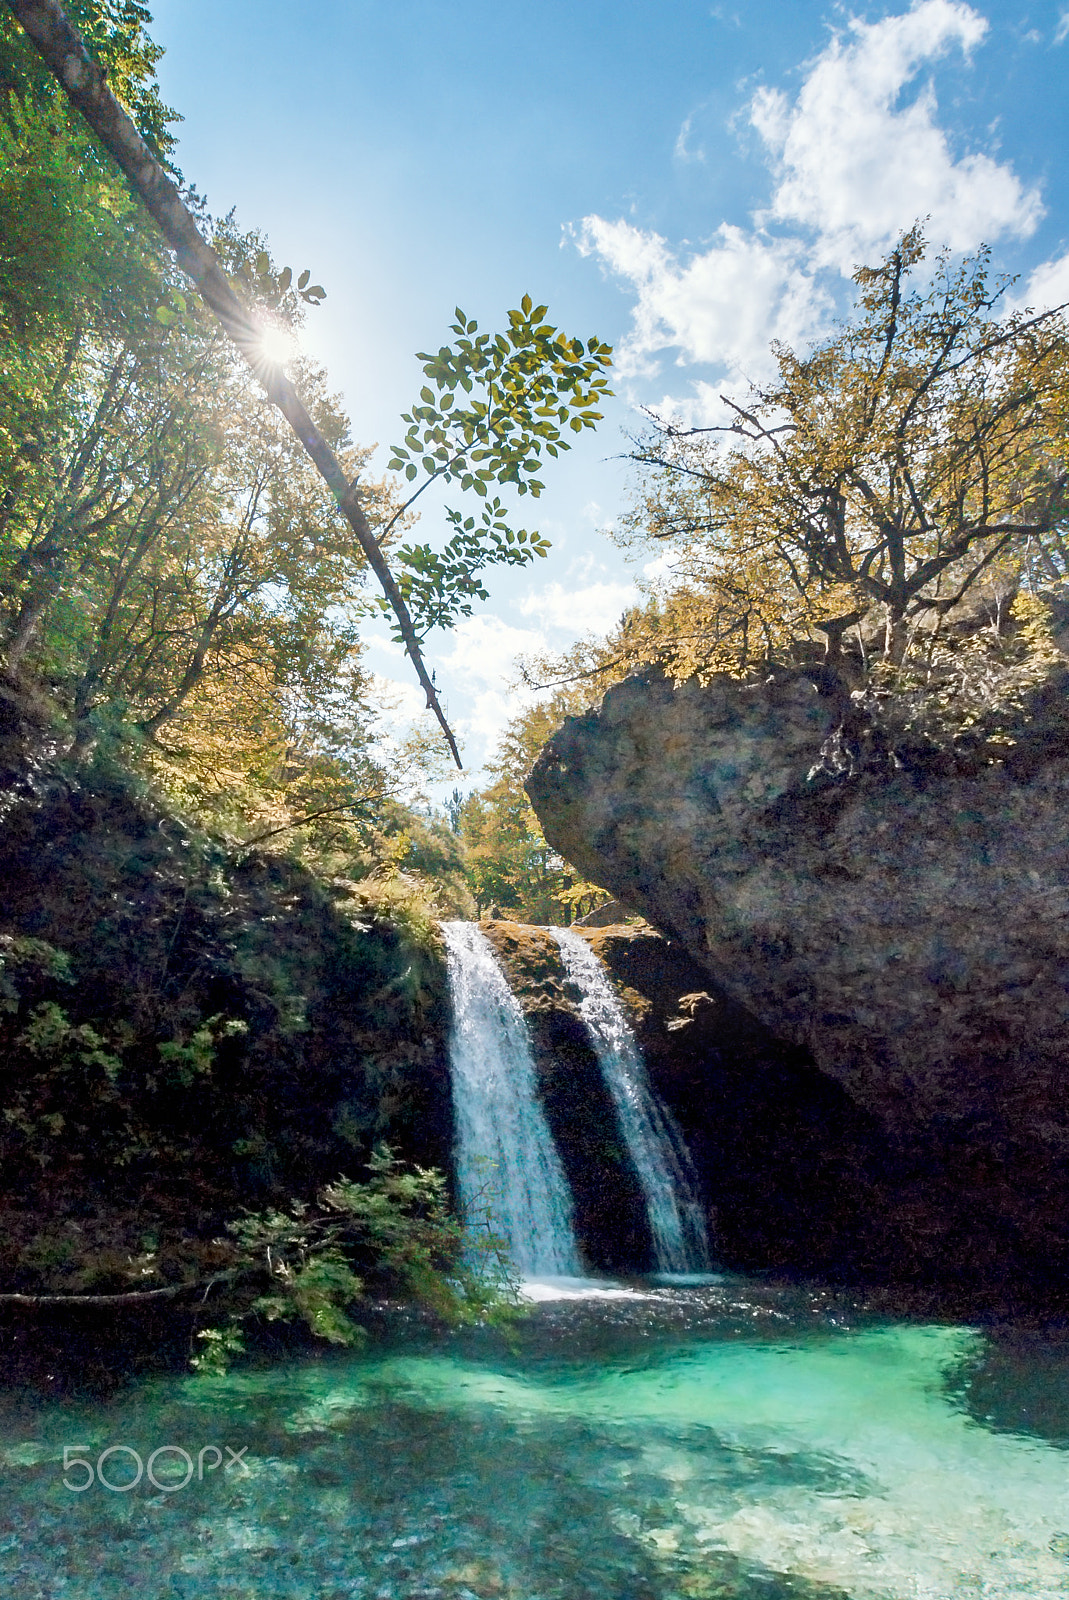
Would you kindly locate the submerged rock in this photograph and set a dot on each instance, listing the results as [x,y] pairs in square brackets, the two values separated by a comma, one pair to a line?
[906,926]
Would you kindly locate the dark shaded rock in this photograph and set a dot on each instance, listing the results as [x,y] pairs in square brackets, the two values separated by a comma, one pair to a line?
[755,1114]
[908,927]
[329,1033]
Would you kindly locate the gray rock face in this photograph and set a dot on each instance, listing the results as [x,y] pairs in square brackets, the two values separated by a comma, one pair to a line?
[910,927]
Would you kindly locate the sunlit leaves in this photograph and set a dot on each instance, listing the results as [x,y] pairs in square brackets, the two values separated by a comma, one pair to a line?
[918,453]
[272,286]
[441,586]
[493,406]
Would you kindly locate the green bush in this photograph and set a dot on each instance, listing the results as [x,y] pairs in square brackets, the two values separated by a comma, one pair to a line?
[394,1234]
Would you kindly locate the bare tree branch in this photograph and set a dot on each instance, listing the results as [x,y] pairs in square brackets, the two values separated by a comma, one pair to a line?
[126,1298]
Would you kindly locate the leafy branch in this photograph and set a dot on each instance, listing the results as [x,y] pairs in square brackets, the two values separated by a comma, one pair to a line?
[393,1233]
[529,388]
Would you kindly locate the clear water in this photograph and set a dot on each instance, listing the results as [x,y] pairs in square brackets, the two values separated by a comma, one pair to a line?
[654,1143]
[722,1440]
[507,1168]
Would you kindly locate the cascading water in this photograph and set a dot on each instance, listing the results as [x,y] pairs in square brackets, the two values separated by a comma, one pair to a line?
[654,1143]
[507,1165]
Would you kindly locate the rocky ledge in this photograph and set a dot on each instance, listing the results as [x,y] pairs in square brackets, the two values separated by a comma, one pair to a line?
[905,923]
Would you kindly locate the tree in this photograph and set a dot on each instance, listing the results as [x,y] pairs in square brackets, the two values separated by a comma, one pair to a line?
[527,386]
[885,475]
[509,864]
[534,379]
[79,277]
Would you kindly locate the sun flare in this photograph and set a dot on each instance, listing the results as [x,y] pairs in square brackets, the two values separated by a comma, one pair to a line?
[277,345]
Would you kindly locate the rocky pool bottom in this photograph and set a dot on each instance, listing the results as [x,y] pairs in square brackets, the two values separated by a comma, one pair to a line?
[721,1439]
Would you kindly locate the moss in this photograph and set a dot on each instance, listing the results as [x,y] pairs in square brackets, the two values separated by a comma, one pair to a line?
[531,957]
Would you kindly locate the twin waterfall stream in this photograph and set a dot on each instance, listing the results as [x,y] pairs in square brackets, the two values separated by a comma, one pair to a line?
[508,1171]
[680,1435]
[507,1164]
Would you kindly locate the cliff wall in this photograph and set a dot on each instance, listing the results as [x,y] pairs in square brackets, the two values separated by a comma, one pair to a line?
[904,925]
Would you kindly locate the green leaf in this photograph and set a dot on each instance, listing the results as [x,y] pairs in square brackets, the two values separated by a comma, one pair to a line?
[285,278]
[263,264]
[302,281]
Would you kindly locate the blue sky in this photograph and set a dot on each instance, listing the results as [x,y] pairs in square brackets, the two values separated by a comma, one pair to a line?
[687,180]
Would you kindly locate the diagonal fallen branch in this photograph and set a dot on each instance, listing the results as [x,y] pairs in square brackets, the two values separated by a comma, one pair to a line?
[60,47]
[124,1298]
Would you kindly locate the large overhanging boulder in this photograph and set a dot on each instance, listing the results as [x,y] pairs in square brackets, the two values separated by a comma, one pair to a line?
[909,923]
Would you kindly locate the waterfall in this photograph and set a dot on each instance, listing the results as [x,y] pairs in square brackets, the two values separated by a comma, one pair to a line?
[507,1165]
[655,1144]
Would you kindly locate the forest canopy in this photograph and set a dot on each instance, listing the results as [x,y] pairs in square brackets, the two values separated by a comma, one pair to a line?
[174,573]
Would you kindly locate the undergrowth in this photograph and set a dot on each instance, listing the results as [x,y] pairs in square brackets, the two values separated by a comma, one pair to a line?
[394,1234]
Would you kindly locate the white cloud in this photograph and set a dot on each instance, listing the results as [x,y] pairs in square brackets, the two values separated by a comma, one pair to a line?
[483,648]
[480,660]
[683,151]
[661,569]
[594,515]
[724,305]
[593,609]
[482,727]
[1048,285]
[856,166]
[401,700]
[1061,32]
[854,161]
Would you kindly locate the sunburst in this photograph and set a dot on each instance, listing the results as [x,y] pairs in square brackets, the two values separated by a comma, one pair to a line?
[276,345]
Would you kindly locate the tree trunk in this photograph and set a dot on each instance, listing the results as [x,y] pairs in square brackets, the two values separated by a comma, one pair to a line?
[896,636]
[62,50]
[43,591]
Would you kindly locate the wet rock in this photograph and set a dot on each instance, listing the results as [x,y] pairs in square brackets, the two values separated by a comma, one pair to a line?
[609,1210]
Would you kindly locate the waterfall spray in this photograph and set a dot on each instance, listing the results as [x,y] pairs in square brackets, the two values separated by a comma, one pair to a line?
[654,1143]
[506,1161]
